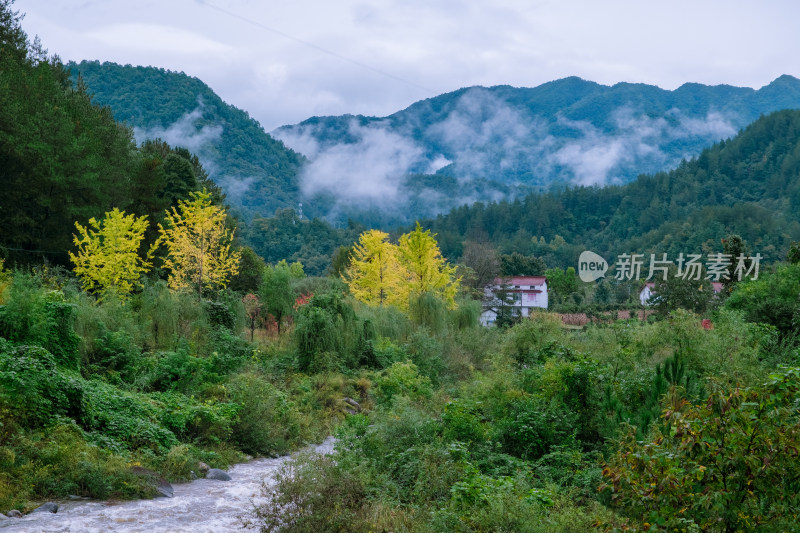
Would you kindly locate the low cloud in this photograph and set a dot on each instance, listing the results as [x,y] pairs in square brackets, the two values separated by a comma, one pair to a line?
[184,132]
[598,158]
[483,137]
[201,139]
[370,169]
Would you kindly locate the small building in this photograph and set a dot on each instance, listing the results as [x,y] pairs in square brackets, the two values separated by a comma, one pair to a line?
[649,290]
[519,293]
[646,293]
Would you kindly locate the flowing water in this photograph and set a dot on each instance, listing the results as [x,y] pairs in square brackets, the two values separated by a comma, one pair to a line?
[201,506]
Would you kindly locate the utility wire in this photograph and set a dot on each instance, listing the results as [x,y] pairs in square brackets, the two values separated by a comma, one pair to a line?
[315,47]
[33,251]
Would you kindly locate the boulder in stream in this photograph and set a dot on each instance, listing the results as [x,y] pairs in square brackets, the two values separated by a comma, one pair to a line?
[14,513]
[216,473]
[49,507]
[162,486]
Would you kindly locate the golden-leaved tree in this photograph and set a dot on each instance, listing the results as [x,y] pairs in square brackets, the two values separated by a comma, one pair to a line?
[108,259]
[426,270]
[383,273]
[199,245]
[375,276]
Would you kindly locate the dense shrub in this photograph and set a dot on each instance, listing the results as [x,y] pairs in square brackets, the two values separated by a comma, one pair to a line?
[313,494]
[533,426]
[267,422]
[30,385]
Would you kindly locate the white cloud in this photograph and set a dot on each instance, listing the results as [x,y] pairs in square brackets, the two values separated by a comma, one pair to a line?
[368,170]
[255,61]
[184,132]
[157,38]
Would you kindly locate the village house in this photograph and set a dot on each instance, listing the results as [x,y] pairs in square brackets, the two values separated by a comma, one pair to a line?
[520,293]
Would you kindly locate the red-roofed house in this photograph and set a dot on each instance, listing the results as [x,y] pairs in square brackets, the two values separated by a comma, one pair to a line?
[526,292]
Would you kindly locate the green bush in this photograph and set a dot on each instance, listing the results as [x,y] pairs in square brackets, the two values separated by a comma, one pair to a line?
[191,420]
[311,494]
[30,384]
[122,421]
[267,422]
[526,339]
[532,426]
[402,379]
[38,316]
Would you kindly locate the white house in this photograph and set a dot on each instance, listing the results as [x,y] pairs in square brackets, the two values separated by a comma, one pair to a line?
[646,293]
[649,290]
[526,292]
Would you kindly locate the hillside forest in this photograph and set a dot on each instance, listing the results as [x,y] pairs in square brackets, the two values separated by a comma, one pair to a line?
[146,328]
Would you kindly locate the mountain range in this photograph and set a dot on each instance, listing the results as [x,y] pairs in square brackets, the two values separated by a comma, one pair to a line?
[473,144]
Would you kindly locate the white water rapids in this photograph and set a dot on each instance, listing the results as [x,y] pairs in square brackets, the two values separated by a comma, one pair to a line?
[201,506]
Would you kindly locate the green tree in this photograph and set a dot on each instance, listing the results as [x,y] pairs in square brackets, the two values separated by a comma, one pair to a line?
[340,261]
[794,253]
[251,272]
[772,298]
[276,291]
[484,261]
[108,260]
[727,464]
[562,282]
[734,247]
[516,264]
[681,293]
[199,245]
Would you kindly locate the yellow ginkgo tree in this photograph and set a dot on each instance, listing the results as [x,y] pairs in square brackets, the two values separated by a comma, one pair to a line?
[374,275]
[199,245]
[107,258]
[384,273]
[426,270]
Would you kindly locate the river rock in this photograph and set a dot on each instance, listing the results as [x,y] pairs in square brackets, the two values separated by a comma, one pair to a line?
[162,486]
[201,466]
[49,507]
[216,473]
[14,513]
[352,402]
[165,489]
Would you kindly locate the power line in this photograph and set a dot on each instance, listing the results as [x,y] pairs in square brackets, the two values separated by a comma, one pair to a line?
[33,251]
[315,47]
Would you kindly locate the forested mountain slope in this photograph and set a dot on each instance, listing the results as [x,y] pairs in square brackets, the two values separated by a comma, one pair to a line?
[566,131]
[748,185]
[257,172]
[473,144]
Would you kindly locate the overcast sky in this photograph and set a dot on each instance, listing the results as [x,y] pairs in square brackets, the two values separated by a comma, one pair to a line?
[286,61]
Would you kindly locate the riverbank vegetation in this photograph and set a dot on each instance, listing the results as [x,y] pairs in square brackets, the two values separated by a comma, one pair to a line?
[138,334]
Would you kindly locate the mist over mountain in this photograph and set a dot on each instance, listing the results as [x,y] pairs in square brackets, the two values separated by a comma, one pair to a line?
[257,172]
[565,132]
[747,185]
[473,144]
